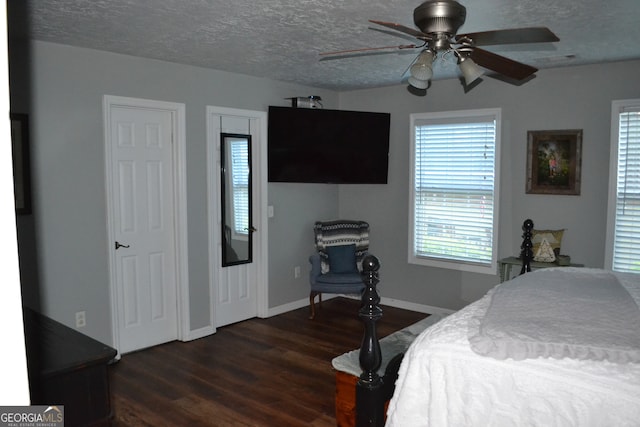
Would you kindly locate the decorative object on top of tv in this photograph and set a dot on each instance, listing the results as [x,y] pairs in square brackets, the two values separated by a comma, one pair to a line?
[553,161]
[311,101]
[438,22]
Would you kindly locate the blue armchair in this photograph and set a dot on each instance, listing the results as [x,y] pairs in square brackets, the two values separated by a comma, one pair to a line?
[336,267]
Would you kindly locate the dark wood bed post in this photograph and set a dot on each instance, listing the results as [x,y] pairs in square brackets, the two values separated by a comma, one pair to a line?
[369,390]
[526,252]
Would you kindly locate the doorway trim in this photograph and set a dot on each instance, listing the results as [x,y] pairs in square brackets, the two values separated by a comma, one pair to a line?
[177,111]
[259,206]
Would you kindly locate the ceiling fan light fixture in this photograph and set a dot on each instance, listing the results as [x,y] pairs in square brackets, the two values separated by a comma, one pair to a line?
[417,83]
[470,70]
[438,22]
[421,69]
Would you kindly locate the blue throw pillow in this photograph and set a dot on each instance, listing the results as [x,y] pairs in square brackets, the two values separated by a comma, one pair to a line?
[342,258]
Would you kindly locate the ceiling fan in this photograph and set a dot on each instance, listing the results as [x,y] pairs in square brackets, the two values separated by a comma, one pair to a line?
[438,22]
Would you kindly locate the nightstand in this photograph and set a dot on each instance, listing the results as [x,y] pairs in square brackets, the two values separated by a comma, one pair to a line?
[505,265]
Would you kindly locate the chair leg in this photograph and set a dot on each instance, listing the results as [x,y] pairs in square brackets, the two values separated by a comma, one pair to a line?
[312,297]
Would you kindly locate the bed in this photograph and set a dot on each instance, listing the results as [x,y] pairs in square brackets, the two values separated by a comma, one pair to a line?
[554,347]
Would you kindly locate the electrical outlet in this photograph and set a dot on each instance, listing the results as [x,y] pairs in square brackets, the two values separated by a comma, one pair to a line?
[296,272]
[81,319]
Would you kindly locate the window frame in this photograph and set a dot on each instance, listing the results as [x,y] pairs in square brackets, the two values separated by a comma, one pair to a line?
[617,107]
[447,117]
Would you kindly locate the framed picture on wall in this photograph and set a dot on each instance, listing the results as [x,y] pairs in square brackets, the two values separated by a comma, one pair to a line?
[21,168]
[553,161]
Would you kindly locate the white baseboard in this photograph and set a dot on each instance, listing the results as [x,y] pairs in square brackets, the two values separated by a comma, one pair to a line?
[420,308]
[199,333]
[294,305]
[274,311]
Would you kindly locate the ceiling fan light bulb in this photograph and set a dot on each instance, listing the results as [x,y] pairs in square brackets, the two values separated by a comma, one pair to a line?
[470,70]
[421,68]
[426,57]
[421,71]
[417,83]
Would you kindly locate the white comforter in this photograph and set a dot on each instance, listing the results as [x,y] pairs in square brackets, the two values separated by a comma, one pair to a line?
[442,382]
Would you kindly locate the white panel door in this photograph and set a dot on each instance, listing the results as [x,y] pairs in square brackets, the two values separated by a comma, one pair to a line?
[234,288]
[143,225]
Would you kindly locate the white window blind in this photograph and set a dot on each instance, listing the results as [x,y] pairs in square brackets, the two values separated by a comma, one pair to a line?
[240,185]
[626,230]
[454,188]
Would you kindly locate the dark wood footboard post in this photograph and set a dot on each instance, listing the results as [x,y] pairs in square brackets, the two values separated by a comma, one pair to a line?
[369,390]
[526,252]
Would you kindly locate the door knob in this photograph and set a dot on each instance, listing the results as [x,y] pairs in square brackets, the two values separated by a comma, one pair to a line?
[120,245]
[252,229]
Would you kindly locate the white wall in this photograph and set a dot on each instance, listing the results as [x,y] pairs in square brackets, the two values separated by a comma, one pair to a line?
[563,98]
[296,208]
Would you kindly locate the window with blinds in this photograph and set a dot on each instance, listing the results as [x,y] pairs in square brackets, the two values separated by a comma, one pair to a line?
[454,187]
[240,185]
[623,237]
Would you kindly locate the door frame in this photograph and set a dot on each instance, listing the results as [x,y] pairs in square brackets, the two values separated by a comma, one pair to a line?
[260,255]
[179,184]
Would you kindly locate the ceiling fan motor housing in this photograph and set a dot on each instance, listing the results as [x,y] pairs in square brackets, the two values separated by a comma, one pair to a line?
[440,16]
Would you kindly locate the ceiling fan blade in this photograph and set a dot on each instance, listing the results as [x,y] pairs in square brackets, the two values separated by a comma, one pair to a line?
[368,49]
[413,32]
[505,66]
[517,35]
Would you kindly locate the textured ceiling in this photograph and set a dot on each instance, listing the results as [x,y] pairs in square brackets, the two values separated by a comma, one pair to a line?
[282,39]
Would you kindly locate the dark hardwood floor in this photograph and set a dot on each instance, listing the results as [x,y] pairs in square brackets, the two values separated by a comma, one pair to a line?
[260,372]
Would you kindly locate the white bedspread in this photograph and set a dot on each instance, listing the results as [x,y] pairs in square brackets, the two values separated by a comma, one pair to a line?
[580,314]
[442,382]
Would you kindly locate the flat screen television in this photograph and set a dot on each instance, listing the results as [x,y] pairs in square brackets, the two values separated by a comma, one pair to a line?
[313,145]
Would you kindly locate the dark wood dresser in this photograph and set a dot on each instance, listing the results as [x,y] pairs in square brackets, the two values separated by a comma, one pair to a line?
[68,368]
